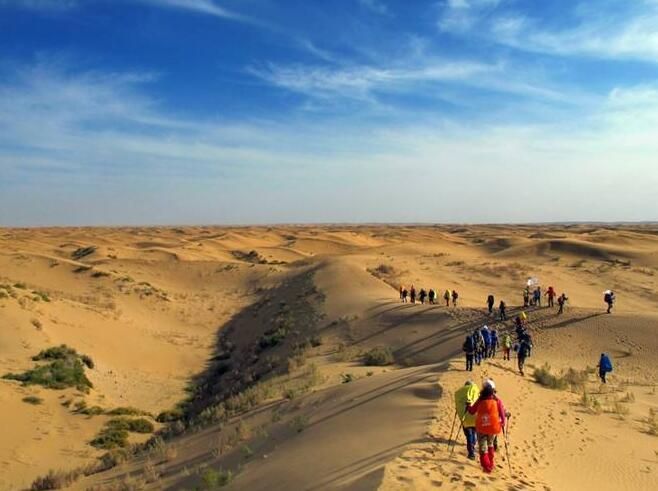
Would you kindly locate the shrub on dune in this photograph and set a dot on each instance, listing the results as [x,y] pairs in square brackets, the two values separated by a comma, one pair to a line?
[379,357]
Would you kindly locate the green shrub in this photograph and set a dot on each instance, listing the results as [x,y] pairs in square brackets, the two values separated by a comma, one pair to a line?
[139,425]
[213,479]
[59,374]
[110,438]
[169,416]
[34,400]
[42,296]
[92,411]
[574,379]
[126,411]
[20,286]
[379,356]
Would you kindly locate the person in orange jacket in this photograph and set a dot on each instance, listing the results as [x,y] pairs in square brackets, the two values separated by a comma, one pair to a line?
[490,419]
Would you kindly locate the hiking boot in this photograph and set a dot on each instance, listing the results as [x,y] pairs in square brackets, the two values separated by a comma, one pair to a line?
[485,462]
[491,454]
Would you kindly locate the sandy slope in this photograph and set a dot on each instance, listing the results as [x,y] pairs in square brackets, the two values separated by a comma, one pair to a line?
[147,304]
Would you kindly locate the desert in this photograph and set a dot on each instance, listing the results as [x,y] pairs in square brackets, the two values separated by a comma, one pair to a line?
[283,358]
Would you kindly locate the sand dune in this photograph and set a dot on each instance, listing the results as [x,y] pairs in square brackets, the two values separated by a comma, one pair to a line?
[203,314]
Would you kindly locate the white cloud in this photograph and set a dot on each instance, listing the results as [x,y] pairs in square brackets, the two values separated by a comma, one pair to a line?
[376,6]
[201,6]
[462,15]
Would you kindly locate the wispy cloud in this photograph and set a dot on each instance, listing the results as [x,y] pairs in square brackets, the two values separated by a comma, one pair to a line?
[40,4]
[208,7]
[629,31]
[376,6]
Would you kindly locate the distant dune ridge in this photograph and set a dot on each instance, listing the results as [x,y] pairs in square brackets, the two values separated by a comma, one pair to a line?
[281,357]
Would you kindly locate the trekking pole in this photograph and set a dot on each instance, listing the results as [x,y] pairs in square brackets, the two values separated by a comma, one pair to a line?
[505,433]
[454,420]
[461,427]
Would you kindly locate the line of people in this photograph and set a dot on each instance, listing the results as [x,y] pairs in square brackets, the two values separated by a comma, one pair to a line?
[411,295]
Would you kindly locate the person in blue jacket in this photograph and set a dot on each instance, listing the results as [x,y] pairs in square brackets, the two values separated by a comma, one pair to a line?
[486,336]
[494,343]
[605,366]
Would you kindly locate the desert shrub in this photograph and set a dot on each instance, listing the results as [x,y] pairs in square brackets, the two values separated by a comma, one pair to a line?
[114,457]
[81,252]
[3,293]
[169,416]
[346,378]
[126,411]
[652,422]
[574,379]
[139,425]
[92,410]
[299,423]
[110,438]
[272,338]
[54,480]
[20,285]
[59,374]
[620,410]
[99,274]
[384,269]
[42,296]
[213,479]
[346,353]
[590,402]
[628,397]
[315,341]
[37,323]
[87,361]
[60,352]
[379,356]
[34,400]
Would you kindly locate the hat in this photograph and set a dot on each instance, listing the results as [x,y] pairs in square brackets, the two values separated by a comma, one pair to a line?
[490,383]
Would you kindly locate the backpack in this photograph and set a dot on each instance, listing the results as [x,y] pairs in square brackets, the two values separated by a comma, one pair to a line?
[490,299]
[469,345]
[524,349]
[607,298]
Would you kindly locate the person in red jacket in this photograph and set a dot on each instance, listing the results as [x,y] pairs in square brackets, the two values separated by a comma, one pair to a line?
[490,420]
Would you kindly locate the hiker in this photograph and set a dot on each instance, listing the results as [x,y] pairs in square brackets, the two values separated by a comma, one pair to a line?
[432,296]
[412,294]
[605,366]
[526,297]
[537,297]
[446,297]
[561,301]
[609,298]
[422,295]
[503,310]
[404,295]
[524,349]
[507,346]
[401,291]
[519,328]
[490,303]
[550,293]
[479,346]
[455,296]
[468,348]
[464,397]
[490,420]
[486,336]
[494,343]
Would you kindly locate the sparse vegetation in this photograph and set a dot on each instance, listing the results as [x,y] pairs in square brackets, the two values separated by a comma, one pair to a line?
[126,411]
[170,415]
[55,480]
[43,296]
[379,356]
[37,323]
[116,431]
[34,400]
[64,370]
[652,422]
[213,479]
[573,379]
[81,252]
[299,423]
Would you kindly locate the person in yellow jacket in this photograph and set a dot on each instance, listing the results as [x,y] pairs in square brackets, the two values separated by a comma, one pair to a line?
[464,397]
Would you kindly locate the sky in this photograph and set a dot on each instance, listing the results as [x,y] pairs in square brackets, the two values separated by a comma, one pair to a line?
[147,112]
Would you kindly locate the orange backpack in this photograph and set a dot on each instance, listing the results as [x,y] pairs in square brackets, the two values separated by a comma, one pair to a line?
[487,420]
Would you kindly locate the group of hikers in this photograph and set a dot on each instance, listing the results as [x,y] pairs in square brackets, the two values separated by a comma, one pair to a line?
[482,416]
[411,295]
[533,298]
[481,412]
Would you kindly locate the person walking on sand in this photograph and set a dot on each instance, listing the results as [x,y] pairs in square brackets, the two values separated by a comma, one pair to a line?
[609,298]
[422,295]
[526,297]
[455,296]
[550,293]
[490,420]
[525,347]
[432,296]
[464,397]
[486,337]
[507,346]
[404,295]
[479,346]
[494,343]
[502,308]
[412,294]
[561,301]
[604,366]
[401,290]
[468,348]
[446,297]
[490,303]
[538,297]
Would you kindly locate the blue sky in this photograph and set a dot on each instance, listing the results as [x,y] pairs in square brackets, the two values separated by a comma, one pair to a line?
[270,111]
